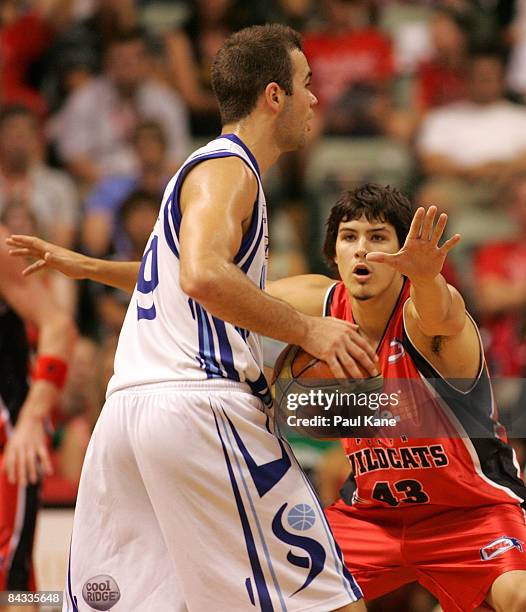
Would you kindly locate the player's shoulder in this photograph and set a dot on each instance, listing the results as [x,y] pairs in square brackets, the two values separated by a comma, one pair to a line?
[306,292]
[230,171]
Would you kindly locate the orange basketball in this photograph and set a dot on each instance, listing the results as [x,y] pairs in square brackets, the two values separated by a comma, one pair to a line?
[294,362]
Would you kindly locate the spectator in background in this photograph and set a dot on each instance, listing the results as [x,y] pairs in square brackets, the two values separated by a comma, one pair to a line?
[25,180]
[190,51]
[101,229]
[442,79]
[94,129]
[466,147]
[352,65]
[500,278]
[27,31]
[137,216]
[297,14]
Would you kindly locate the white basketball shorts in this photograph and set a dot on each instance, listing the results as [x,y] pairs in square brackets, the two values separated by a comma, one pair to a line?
[189,501]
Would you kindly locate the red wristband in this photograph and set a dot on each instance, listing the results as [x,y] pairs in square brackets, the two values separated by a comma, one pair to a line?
[52,369]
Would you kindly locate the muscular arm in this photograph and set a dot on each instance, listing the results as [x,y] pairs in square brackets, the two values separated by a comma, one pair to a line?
[219,195]
[208,272]
[306,293]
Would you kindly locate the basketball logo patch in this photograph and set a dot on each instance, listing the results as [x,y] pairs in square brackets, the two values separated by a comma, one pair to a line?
[499,546]
[301,517]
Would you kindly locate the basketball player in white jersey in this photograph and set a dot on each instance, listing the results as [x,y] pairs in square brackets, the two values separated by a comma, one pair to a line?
[188,500]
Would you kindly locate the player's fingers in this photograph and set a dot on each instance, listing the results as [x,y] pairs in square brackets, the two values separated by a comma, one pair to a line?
[45,460]
[427,225]
[6,466]
[449,244]
[416,223]
[363,358]
[377,257]
[336,368]
[19,252]
[31,242]
[439,229]
[349,365]
[34,267]
[21,475]
[362,343]
[31,461]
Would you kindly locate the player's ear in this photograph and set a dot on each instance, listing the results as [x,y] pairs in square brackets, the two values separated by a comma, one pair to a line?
[274,96]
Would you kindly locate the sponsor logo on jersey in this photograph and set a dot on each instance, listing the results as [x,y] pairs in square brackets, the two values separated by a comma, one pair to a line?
[499,546]
[397,353]
[101,592]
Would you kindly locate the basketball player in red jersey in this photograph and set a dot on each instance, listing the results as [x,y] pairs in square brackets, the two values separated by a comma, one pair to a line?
[445,512]
[25,405]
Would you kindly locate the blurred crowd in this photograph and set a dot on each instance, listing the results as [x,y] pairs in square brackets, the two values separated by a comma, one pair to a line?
[101,101]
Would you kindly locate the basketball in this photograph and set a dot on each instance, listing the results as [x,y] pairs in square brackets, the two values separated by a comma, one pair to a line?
[304,365]
[302,383]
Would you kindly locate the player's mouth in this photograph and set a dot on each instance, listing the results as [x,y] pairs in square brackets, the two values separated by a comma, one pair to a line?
[361,272]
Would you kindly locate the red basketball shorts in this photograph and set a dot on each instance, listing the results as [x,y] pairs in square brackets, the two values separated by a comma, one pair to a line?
[455,553]
[18,510]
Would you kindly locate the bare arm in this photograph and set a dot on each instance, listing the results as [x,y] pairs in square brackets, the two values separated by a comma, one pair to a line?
[436,310]
[220,194]
[32,301]
[119,274]
[306,293]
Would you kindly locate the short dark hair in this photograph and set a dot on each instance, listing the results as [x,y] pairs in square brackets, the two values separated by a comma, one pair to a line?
[247,62]
[17,110]
[376,203]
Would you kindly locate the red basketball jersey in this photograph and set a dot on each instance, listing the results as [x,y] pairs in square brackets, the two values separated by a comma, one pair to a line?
[452,470]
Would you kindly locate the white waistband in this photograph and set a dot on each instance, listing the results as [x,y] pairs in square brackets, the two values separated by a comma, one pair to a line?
[181,386]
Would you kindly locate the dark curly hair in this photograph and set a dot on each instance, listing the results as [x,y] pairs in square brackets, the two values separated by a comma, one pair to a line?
[375,202]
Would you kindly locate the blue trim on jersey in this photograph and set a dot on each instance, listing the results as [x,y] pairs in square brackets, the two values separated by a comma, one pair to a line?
[71,596]
[238,141]
[167,229]
[339,564]
[246,264]
[244,333]
[225,350]
[252,507]
[250,591]
[261,389]
[259,578]
[175,210]
[206,357]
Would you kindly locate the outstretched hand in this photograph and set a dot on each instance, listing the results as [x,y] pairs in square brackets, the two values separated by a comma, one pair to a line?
[48,256]
[420,258]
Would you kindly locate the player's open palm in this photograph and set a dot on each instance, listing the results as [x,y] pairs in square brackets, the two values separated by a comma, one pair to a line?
[420,258]
[47,255]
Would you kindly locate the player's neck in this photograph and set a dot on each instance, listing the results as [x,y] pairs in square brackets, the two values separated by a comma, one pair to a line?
[372,315]
[258,137]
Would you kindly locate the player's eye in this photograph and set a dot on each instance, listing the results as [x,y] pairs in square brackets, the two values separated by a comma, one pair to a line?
[378,238]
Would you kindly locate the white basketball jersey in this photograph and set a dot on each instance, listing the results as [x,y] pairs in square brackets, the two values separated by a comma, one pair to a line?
[168,336]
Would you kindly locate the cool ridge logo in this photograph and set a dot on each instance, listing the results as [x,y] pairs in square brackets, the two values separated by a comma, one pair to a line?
[101,592]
